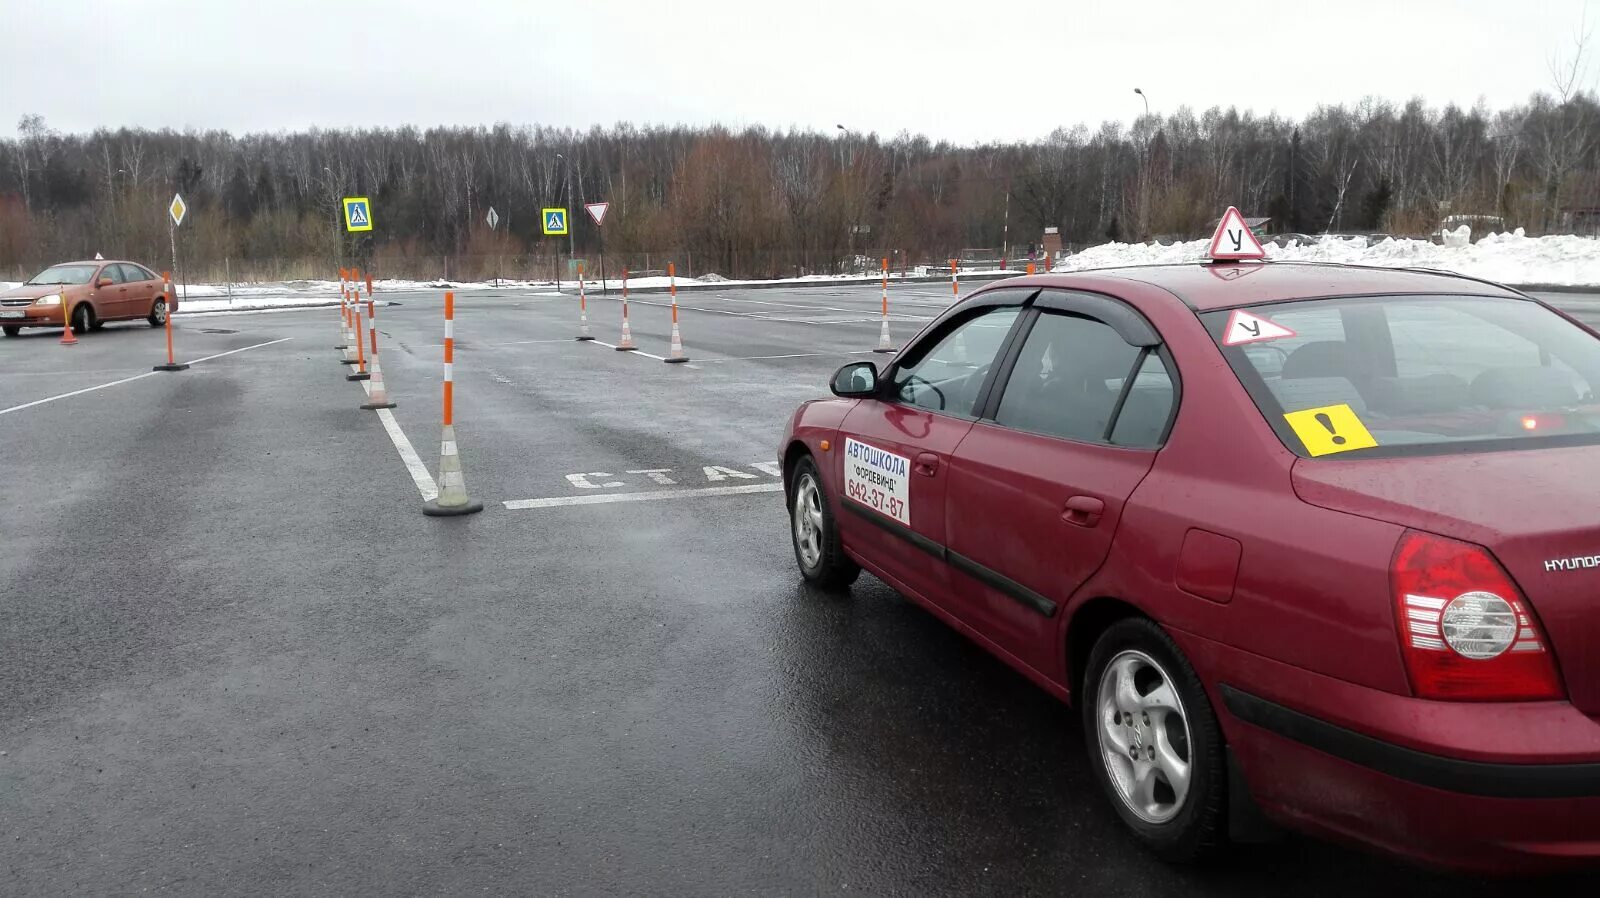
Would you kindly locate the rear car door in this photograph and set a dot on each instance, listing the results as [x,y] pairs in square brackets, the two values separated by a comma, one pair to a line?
[897,446]
[1037,486]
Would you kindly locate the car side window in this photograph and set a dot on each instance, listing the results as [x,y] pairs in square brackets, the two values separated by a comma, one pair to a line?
[1067,378]
[1142,420]
[133,273]
[949,375]
[114,272]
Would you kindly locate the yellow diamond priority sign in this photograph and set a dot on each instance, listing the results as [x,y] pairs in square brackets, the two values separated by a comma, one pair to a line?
[178,209]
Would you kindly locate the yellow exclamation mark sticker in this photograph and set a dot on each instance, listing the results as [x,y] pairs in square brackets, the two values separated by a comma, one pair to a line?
[1330,429]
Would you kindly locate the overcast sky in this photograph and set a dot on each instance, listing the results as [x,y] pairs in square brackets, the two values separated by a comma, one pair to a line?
[963,71]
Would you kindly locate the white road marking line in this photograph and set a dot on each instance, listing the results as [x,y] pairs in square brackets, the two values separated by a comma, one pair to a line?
[129,380]
[241,349]
[420,474]
[605,499]
[636,351]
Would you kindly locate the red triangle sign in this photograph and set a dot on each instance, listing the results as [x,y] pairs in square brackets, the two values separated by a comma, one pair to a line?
[1234,240]
[597,211]
[1244,327]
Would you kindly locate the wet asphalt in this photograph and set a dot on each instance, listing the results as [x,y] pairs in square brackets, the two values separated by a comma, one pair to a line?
[235,658]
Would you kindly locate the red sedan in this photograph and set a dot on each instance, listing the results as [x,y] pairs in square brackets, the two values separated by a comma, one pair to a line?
[1308,542]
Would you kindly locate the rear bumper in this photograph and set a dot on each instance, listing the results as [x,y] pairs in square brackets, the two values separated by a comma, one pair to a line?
[1492,787]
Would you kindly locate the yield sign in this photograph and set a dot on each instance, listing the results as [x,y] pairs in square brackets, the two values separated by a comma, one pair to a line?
[493,218]
[1244,327]
[597,211]
[178,209]
[1233,239]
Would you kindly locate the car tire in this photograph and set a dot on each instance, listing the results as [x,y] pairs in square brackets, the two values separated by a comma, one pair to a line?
[11,331]
[158,312]
[1141,697]
[83,318]
[814,532]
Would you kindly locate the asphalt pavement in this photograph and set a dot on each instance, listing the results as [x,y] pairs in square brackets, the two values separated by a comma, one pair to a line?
[236,658]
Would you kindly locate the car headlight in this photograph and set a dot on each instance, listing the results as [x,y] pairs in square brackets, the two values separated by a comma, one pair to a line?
[53,299]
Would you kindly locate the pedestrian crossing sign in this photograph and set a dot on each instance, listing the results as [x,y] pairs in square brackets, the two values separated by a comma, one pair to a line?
[555,221]
[357,213]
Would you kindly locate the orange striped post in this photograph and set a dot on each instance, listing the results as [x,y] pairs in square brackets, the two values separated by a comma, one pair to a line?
[675,353]
[1030,268]
[67,337]
[626,343]
[583,305]
[166,315]
[883,331]
[378,391]
[955,288]
[355,313]
[452,499]
[1049,260]
[344,322]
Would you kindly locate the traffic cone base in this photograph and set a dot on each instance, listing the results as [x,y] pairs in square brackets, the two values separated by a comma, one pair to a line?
[883,338]
[676,356]
[358,375]
[378,394]
[175,366]
[626,343]
[453,498]
[68,338]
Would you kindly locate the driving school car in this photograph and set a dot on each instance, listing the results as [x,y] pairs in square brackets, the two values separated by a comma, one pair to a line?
[1314,542]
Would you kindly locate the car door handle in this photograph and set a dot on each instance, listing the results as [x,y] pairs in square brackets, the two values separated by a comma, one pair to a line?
[1084,511]
[927,464]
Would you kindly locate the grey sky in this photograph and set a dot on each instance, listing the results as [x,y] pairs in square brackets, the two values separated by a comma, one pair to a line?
[962,71]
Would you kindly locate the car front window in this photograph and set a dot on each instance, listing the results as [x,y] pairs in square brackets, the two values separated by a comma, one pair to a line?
[1415,375]
[63,274]
[948,376]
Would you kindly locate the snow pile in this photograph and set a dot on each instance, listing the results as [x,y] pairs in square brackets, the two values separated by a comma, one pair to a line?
[1513,258]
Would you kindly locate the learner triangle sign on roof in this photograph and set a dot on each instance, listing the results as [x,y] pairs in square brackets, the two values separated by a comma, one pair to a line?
[1234,240]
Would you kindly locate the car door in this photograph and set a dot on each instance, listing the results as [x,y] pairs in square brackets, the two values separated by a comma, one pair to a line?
[142,290]
[1037,485]
[897,446]
[111,299]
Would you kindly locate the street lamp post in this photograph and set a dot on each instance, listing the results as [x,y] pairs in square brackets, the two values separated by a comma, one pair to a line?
[1144,174]
[571,238]
[1145,98]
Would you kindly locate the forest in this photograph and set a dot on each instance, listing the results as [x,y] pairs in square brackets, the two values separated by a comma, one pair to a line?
[762,203]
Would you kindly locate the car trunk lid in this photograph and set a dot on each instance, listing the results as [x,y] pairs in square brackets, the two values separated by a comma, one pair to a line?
[1536,510]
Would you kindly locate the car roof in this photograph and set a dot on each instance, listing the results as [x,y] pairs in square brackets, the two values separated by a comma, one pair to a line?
[98,262]
[1205,286]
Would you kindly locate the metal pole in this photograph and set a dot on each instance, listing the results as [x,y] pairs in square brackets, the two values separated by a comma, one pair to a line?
[602,231]
[1005,232]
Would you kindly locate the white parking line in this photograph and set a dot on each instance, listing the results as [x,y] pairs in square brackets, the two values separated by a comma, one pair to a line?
[636,351]
[606,499]
[129,380]
[420,475]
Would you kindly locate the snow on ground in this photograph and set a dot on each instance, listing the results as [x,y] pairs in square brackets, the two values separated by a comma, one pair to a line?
[1508,258]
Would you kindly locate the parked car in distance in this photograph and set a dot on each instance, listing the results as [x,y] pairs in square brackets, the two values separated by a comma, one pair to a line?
[1309,541]
[88,294]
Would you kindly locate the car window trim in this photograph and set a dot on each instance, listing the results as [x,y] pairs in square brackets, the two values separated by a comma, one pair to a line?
[1131,326]
[1013,350]
[933,334]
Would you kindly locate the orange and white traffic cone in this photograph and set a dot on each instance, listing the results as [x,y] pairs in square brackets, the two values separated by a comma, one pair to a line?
[675,353]
[377,393]
[67,337]
[583,308]
[626,343]
[361,353]
[884,344]
[452,499]
[344,310]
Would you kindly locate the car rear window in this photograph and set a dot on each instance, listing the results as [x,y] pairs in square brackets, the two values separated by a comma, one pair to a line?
[1414,375]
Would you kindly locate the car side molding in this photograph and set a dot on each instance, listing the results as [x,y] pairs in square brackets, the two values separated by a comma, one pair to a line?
[1482,778]
[992,578]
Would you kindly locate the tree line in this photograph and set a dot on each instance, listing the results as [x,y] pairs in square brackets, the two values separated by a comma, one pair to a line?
[760,202]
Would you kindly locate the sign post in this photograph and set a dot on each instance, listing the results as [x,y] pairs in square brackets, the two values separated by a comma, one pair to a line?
[175,213]
[597,211]
[492,219]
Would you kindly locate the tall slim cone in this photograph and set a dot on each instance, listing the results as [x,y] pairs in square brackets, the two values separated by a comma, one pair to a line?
[379,395]
[453,498]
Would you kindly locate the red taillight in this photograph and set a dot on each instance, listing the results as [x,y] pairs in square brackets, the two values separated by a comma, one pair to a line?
[1466,632]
